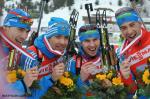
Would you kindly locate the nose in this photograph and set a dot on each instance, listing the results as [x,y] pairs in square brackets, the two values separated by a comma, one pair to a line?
[91,43]
[129,30]
[63,41]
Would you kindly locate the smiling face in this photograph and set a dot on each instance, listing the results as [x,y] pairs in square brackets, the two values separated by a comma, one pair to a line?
[91,46]
[131,30]
[17,35]
[58,43]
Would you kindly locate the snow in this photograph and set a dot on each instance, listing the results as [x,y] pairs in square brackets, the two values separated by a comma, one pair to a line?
[64,12]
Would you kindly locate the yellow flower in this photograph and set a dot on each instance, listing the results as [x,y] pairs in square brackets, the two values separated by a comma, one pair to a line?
[22,72]
[11,76]
[13,71]
[66,74]
[66,81]
[109,75]
[146,76]
[149,59]
[117,81]
[101,76]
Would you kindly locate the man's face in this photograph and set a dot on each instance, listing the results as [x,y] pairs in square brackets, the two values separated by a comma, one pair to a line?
[91,46]
[58,43]
[131,30]
[17,35]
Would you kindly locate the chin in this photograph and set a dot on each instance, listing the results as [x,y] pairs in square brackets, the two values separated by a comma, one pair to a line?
[92,55]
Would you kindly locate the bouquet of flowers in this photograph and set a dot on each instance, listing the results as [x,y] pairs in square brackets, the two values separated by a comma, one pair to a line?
[65,88]
[108,85]
[18,74]
[14,75]
[144,87]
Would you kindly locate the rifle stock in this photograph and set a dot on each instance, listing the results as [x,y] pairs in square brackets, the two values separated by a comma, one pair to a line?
[108,53]
[89,8]
[99,27]
[70,50]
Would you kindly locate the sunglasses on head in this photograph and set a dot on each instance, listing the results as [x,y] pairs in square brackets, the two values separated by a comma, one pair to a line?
[23,19]
[26,21]
[88,27]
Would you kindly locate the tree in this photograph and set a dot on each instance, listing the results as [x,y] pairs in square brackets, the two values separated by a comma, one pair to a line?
[97,2]
[120,2]
[32,7]
[1,7]
[70,3]
[46,8]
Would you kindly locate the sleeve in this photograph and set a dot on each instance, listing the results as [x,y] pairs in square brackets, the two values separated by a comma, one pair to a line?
[72,68]
[45,83]
[130,83]
[17,87]
[26,62]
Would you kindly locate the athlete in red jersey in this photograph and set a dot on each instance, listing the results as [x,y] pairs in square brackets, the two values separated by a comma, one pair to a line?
[135,49]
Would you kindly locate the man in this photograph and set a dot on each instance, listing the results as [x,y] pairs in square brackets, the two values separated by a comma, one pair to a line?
[16,27]
[134,51]
[88,62]
[48,49]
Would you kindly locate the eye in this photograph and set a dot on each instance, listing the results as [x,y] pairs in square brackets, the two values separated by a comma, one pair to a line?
[95,39]
[66,37]
[132,24]
[58,36]
[123,28]
[87,41]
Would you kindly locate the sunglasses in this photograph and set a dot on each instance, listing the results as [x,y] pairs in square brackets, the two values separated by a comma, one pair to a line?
[26,21]
[23,19]
[88,27]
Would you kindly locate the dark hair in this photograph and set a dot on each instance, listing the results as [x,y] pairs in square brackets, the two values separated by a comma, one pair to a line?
[87,27]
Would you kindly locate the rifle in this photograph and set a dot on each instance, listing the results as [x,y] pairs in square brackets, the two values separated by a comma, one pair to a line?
[36,34]
[110,52]
[99,27]
[70,49]
[89,8]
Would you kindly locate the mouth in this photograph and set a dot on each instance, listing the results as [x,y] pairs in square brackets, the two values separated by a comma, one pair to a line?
[92,50]
[132,36]
[60,48]
[19,42]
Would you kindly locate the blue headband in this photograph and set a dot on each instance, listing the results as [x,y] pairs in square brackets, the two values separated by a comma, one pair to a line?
[131,16]
[89,34]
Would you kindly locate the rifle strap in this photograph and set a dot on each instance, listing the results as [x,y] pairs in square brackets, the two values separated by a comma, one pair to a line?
[78,64]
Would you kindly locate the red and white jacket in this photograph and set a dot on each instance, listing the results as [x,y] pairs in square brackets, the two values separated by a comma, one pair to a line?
[137,52]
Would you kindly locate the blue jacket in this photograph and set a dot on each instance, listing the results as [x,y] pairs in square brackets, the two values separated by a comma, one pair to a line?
[45,83]
[16,86]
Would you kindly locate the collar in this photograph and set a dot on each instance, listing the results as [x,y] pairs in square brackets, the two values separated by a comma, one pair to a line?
[13,45]
[127,45]
[42,44]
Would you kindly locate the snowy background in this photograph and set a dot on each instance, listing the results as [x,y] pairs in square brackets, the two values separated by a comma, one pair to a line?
[79,5]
